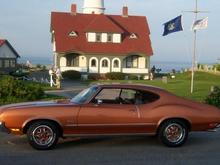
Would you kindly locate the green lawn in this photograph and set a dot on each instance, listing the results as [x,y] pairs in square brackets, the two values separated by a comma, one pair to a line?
[181,84]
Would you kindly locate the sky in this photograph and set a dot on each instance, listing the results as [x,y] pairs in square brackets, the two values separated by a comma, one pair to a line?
[26,25]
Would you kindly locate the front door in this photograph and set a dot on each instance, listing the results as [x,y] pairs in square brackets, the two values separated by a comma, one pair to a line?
[112,111]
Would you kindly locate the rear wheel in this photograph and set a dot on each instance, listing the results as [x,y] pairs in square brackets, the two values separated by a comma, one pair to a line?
[43,135]
[173,133]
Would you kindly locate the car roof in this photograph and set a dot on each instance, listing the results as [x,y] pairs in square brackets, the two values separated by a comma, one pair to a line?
[132,86]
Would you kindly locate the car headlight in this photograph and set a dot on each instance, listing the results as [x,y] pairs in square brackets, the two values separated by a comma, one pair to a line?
[1,123]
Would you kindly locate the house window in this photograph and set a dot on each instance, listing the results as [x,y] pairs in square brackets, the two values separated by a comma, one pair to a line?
[133,36]
[98,37]
[7,63]
[104,63]
[109,38]
[1,63]
[93,63]
[73,34]
[132,62]
[72,60]
[12,63]
[116,64]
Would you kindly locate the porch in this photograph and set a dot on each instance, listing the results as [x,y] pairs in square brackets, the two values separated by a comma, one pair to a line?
[132,64]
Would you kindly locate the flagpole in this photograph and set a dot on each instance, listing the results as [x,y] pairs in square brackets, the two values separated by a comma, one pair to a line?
[194,50]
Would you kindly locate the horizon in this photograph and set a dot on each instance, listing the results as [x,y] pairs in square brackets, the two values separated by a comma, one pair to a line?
[33,39]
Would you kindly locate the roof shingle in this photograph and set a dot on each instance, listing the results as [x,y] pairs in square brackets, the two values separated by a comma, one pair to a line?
[63,23]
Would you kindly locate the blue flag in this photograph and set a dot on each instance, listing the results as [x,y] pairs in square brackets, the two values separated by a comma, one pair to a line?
[173,25]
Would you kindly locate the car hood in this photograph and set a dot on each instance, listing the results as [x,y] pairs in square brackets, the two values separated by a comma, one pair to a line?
[34,104]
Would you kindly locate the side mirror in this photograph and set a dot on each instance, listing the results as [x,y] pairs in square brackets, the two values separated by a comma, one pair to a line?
[99,101]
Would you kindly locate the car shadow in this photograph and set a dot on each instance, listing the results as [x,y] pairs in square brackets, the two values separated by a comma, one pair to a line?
[108,141]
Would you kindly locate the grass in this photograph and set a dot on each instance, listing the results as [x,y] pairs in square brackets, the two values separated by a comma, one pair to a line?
[181,84]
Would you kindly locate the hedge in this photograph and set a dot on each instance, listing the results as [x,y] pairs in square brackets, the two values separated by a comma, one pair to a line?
[13,91]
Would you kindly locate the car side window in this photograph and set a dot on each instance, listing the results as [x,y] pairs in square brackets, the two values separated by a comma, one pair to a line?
[148,97]
[108,96]
[128,96]
[137,97]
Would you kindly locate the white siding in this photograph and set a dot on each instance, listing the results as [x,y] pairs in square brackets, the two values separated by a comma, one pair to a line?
[62,61]
[116,38]
[91,37]
[54,46]
[82,61]
[142,62]
[79,69]
[6,52]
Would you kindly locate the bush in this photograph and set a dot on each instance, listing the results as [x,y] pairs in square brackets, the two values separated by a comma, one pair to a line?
[94,76]
[133,77]
[214,97]
[116,75]
[71,74]
[13,91]
[217,66]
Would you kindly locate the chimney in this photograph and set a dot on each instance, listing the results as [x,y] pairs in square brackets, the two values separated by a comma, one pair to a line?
[73,9]
[125,11]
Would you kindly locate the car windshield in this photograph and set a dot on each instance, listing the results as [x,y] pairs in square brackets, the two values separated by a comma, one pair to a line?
[83,96]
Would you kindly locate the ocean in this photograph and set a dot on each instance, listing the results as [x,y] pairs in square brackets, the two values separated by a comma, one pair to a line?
[165,66]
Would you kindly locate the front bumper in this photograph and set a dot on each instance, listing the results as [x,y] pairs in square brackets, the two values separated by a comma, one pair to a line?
[3,128]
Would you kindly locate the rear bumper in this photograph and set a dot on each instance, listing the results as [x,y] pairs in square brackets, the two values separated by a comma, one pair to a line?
[3,128]
[217,128]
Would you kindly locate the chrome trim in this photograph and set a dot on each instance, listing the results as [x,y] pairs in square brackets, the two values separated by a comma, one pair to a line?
[138,111]
[128,124]
[108,134]
[212,130]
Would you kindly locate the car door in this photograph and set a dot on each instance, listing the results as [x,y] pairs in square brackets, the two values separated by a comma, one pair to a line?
[107,114]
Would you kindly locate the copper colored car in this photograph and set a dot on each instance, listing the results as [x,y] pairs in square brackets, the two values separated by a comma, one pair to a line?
[110,110]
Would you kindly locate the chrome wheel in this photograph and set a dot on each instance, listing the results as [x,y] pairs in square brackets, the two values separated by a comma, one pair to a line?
[43,135]
[174,133]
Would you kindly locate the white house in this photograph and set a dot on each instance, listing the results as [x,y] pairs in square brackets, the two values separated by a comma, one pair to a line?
[94,42]
[8,56]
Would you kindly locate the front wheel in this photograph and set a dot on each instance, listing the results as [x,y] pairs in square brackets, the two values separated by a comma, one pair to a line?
[43,135]
[173,133]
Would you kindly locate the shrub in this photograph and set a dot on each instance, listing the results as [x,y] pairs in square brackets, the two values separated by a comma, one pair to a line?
[217,66]
[116,75]
[214,97]
[13,91]
[133,77]
[94,76]
[71,74]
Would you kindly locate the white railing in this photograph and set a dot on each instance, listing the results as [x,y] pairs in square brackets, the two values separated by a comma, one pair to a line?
[135,70]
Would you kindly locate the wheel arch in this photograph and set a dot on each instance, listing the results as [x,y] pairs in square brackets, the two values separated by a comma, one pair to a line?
[184,120]
[28,123]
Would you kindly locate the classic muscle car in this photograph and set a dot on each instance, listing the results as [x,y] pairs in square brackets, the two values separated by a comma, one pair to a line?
[110,110]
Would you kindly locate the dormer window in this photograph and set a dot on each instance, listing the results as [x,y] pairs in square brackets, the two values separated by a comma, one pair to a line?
[133,36]
[73,34]
[109,37]
[98,37]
